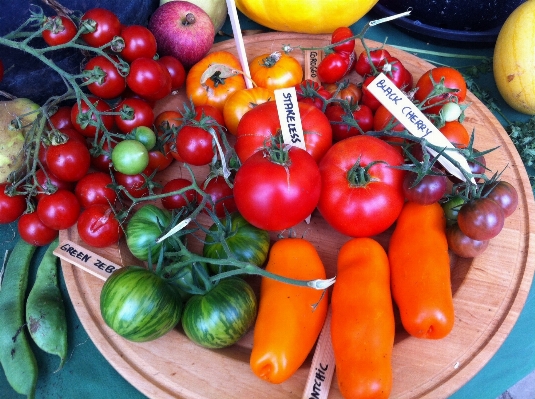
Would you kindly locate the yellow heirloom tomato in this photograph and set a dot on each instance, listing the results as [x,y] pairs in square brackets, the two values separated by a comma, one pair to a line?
[242,101]
[276,71]
[305,16]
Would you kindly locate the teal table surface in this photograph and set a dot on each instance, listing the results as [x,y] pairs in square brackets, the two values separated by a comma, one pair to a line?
[87,374]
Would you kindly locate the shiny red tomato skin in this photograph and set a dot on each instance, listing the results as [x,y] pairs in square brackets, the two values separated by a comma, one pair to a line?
[176,70]
[69,161]
[54,180]
[112,85]
[61,118]
[363,115]
[134,184]
[333,67]
[142,114]
[90,130]
[453,79]
[33,231]
[97,226]
[275,197]
[92,189]
[108,26]
[60,210]
[259,124]
[367,209]
[363,65]
[61,37]
[177,201]
[139,42]
[159,160]
[221,194]
[11,207]
[339,35]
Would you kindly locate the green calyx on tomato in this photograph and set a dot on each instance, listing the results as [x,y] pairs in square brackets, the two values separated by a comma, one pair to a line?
[359,176]
[234,237]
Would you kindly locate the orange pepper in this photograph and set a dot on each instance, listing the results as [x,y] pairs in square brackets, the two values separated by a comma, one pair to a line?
[420,267]
[362,324]
[290,317]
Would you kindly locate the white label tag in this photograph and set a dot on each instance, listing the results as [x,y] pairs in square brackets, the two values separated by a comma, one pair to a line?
[290,120]
[321,371]
[86,260]
[416,122]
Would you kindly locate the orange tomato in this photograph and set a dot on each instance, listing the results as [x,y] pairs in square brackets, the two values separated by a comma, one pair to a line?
[242,101]
[456,133]
[290,317]
[214,78]
[420,268]
[362,324]
[276,71]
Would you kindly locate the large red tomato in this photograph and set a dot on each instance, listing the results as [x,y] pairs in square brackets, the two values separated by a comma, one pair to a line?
[362,191]
[277,191]
[258,125]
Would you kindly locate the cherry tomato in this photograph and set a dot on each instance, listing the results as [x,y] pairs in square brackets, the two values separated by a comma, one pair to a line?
[49,178]
[84,119]
[69,161]
[11,206]
[133,112]
[135,185]
[130,157]
[348,91]
[456,133]
[311,92]
[92,189]
[176,70]
[102,161]
[462,245]
[451,209]
[62,30]
[362,114]
[59,210]
[396,72]
[107,26]
[481,219]
[165,89]
[97,226]
[61,118]
[333,67]
[33,231]
[363,66]
[177,201]
[505,195]
[384,120]
[146,77]
[367,97]
[195,145]
[339,35]
[453,80]
[430,189]
[158,160]
[112,84]
[221,196]
[138,42]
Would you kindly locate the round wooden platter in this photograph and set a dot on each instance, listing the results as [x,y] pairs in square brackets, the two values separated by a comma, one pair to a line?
[489,291]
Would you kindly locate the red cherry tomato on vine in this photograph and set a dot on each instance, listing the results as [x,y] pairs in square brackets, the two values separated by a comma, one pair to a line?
[133,112]
[363,65]
[462,245]
[102,162]
[481,219]
[311,92]
[430,189]
[159,160]
[81,117]
[333,67]
[339,35]
[33,231]
[367,97]
[505,195]
[59,210]
[396,72]
[97,226]
[362,115]
[138,42]
[69,161]
[61,31]
[453,80]
[92,189]
[175,69]
[146,77]
[112,84]
[195,145]
[61,118]
[49,178]
[177,201]
[135,185]
[11,206]
[456,133]
[107,26]
[221,194]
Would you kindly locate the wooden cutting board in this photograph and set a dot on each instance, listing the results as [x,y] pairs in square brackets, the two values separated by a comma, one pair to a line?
[489,291]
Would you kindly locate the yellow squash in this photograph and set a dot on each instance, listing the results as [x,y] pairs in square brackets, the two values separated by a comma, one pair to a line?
[514,59]
[305,16]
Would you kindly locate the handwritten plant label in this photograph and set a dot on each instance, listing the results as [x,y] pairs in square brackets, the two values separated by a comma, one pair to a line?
[404,110]
[85,259]
[312,61]
[322,368]
[289,117]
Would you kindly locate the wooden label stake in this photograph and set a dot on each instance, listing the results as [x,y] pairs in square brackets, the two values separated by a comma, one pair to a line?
[312,60]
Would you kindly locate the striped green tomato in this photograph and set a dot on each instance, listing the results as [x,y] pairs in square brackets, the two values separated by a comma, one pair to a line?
[144,228]
[246,242]
[222,316]
[139,305]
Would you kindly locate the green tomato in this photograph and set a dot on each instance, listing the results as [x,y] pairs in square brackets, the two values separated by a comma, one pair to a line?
[246,242]
[222,316]
[451,209]
[130,157]
[139,305]
[145,135]
[144,228]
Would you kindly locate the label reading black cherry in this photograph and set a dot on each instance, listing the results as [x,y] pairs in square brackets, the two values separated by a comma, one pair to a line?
[85,259]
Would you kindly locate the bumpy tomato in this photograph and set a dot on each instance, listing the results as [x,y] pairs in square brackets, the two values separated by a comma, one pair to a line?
[242,101]
[362,190]
[207,85]
[277,188]
[276,70]
[262,122]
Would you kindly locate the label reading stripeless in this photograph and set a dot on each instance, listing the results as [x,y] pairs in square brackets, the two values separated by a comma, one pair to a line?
[289,117]
[416,122]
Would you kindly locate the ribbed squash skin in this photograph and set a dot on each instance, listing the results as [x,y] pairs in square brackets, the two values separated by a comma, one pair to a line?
[514,59]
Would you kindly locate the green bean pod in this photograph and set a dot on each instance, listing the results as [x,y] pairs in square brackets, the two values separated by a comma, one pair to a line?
[45,310]
[16,356]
